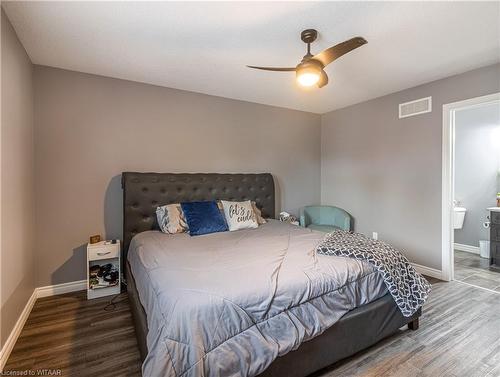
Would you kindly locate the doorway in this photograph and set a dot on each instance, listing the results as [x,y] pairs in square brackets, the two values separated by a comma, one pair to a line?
[462,260]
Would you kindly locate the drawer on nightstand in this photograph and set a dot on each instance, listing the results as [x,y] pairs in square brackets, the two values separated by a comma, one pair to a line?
[104,252]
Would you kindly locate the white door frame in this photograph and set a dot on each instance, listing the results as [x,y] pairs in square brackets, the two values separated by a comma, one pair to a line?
[448,175]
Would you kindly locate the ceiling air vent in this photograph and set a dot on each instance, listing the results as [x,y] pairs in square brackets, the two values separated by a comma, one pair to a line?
[419,106]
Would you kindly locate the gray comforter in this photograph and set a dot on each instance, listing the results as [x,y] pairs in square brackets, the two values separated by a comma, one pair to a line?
[228,304]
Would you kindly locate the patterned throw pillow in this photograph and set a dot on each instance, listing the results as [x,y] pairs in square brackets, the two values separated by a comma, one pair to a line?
[171,219]
[239,215]
[256,210]
[258,214]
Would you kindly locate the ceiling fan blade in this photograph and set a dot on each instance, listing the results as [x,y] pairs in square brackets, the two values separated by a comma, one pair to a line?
[323,79]
[330,54]
[277,69]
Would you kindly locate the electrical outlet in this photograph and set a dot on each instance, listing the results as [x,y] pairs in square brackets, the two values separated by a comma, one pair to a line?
[375,235]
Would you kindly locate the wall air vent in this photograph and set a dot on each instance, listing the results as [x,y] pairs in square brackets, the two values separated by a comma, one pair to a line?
[419,106]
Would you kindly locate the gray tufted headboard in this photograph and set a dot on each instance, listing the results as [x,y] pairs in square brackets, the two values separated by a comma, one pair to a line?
[143,192]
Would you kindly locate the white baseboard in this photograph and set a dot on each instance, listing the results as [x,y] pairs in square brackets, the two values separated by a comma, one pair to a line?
[428,271]
[59,289]
[467,248]
[50,290]
[14,334]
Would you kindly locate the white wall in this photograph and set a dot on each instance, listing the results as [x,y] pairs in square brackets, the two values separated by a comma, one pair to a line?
[477,163]
[17,276]
[386,171]
[91,128]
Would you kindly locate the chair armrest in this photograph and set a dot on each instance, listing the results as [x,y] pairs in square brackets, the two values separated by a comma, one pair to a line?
[302,220]
[347,223]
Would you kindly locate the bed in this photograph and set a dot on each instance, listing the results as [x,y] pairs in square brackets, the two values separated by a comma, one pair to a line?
[265,304]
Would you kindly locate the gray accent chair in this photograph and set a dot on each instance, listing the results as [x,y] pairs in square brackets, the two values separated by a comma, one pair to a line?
[325,218]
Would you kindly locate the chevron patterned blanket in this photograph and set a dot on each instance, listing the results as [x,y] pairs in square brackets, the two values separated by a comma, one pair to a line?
[408,288]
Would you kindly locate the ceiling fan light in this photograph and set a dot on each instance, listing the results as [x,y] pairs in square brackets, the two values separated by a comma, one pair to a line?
[308,78]
[308,73]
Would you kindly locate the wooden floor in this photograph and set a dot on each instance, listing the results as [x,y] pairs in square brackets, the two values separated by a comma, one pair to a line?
[472,269]
[459,336]
[75,335]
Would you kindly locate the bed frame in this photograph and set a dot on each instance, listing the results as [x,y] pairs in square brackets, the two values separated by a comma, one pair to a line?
[355,331]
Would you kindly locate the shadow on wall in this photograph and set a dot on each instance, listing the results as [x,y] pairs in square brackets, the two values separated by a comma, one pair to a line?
[113,213]
[113,218]
[72,267]
[113,209]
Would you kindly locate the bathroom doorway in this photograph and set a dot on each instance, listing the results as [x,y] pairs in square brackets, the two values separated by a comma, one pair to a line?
[471,181]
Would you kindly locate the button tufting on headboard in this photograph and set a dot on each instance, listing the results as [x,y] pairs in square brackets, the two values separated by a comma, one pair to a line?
[143,192]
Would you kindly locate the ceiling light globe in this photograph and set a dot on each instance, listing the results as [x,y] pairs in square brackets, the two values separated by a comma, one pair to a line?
[308,78]
[308,73]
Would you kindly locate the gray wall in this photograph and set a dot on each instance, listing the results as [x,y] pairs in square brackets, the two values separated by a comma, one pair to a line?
[387,171]
[17,186]
[90,128]
[477,163]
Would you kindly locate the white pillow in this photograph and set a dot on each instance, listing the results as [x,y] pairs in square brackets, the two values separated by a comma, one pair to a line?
[171,219]
[239,215]
[258,212]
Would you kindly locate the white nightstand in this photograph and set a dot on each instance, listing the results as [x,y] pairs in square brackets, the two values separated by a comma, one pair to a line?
[103,257]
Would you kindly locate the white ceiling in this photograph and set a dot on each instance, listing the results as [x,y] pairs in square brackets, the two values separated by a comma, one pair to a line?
[204,47]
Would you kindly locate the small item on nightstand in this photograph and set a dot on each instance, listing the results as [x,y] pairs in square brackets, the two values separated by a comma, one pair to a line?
[104,269]
[105,275]
[498,199]
[94,270]
[288,218]
[111,277]
[95,239]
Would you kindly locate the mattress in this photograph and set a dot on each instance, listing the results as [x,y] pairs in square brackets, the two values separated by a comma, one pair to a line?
[228,304]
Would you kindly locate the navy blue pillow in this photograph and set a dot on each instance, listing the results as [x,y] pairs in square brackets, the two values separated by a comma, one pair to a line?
[203,217]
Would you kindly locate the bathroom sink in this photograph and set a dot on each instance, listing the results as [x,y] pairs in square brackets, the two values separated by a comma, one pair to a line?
[458,217]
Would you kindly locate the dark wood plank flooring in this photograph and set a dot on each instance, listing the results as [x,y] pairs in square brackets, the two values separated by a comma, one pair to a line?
[459,336]
[78,337]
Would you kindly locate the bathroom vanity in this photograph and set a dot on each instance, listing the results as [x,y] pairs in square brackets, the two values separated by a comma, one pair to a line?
[495,235]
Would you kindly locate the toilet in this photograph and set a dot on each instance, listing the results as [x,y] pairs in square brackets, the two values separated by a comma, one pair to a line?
[458,217]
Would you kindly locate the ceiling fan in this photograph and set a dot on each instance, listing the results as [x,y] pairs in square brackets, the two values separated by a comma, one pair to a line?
[310,71]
